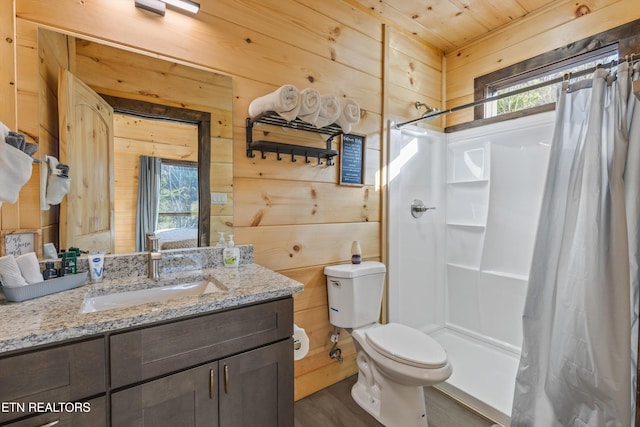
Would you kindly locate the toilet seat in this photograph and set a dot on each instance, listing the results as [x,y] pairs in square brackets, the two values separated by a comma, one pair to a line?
[407,345]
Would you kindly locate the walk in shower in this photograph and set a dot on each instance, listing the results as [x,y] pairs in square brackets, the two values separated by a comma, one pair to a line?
[459,272]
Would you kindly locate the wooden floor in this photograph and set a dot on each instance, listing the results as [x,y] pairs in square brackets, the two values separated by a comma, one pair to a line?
[334,407]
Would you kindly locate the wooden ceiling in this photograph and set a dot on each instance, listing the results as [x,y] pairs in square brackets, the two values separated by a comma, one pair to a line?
[451,24]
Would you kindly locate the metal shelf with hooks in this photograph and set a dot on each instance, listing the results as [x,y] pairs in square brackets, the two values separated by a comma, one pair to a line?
[284,149]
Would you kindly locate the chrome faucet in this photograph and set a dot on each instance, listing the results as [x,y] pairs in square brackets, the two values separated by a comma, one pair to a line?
[153,243]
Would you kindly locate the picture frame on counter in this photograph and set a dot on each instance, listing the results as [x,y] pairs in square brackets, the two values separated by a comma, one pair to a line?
[352,159]
[19,242]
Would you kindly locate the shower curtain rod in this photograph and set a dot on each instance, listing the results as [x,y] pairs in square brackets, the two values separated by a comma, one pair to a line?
[567,76]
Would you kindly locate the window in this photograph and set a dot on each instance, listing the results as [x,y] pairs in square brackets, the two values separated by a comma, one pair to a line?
[546,94]
[582,54]
[178,195]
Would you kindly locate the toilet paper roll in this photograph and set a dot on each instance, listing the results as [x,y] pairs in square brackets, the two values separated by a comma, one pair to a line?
[300,343]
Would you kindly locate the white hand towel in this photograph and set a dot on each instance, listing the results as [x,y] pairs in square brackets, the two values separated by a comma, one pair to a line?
[57,185]
[10,272]
[309,105]
[4,132]
[29,267]
[350,114]
[329,111]
[285,101]
[15,171]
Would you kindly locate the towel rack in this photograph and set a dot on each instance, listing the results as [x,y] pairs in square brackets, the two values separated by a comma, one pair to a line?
[293,150]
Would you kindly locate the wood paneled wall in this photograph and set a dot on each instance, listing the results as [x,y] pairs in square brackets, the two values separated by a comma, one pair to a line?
[295,214]
[537,33]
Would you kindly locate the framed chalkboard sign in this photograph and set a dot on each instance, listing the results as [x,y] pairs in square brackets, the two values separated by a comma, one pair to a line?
[18,242]
[352,150]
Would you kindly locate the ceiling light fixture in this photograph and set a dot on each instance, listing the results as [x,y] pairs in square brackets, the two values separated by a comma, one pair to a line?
[187,5]
[155,6]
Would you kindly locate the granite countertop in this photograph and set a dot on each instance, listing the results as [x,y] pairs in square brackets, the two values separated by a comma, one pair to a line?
[57,317]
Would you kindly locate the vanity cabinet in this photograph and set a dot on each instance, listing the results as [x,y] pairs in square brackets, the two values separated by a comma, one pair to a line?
[227,369]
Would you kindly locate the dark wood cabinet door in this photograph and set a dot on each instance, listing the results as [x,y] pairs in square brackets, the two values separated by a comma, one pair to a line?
[256,387]
[185,399]
[62,373]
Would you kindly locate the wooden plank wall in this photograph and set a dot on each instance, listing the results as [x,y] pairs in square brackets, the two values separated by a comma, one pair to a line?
[295,214]
[536,33]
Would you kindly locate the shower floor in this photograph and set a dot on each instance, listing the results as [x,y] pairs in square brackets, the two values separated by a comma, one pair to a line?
[483,374]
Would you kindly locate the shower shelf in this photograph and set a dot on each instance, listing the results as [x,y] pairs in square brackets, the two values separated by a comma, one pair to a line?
[469,225]
[280,148]
[507,275]
[463,266]
[469,181]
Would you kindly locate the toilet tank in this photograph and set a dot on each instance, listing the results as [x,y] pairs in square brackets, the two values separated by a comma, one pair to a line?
[355,293]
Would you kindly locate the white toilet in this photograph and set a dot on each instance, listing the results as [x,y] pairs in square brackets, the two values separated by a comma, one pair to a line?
[395,361]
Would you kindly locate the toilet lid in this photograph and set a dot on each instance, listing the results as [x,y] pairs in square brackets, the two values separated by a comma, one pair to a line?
[407,345]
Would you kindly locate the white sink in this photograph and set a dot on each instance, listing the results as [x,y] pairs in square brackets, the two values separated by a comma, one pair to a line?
[92,304]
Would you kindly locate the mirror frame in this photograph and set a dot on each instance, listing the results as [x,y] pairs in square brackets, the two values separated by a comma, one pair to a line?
[202,120]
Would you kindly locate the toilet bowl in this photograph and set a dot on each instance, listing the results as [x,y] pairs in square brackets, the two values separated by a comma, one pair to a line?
[395,362]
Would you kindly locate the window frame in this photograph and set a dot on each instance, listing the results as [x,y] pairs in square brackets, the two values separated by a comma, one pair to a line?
[626,38]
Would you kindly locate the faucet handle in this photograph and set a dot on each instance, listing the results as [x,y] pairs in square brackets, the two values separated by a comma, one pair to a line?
[152,242]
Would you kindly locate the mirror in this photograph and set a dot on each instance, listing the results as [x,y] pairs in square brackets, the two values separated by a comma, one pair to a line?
[155,102]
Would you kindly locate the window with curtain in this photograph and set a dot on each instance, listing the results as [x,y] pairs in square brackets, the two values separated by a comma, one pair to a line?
[542,95]
[600,48]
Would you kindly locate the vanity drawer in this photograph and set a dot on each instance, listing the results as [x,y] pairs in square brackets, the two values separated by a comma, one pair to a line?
[60,374]
[158,350]
[93,413]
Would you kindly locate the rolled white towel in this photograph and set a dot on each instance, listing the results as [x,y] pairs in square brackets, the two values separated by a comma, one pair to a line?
[309,105]
[285,101]
[329,111]
[10,272]
[15,171]
[29,267]
[350,114]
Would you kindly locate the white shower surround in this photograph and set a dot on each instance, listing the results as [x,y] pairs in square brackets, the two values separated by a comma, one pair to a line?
[460,271]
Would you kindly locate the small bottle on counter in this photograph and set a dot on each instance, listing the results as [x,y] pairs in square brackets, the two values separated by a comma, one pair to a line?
[65,268]
[49,271]
[231,254]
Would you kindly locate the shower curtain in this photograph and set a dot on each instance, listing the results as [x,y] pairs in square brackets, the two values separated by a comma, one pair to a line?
[578,355]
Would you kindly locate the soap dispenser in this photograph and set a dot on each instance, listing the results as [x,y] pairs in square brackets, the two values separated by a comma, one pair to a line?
[231,254]
[221,241]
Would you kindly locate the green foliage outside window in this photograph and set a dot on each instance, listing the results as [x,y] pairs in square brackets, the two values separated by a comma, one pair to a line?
[178,197]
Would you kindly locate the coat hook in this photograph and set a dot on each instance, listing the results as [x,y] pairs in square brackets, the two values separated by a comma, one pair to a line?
[306,158]
[319,162]
[330,161]
[262,154]
[278,154]
[293,157]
